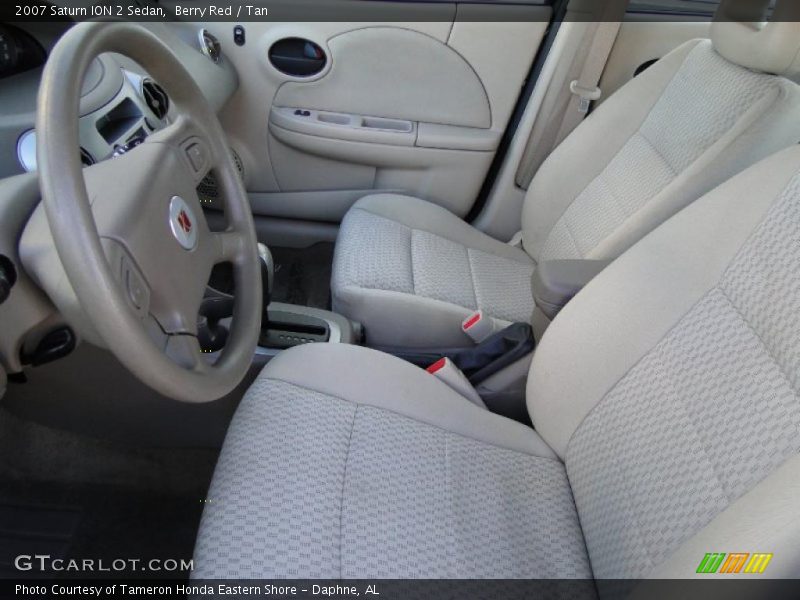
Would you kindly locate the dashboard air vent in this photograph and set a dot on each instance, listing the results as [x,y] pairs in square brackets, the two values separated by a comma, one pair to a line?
[86,158]
[210,46]
[156,98]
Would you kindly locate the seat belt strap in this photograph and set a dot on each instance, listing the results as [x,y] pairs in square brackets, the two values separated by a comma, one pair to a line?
[585,89]
[565,107]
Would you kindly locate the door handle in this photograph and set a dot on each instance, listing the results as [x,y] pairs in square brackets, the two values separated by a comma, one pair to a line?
[297,57]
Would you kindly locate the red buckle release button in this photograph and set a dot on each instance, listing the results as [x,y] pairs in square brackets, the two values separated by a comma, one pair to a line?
[472,320]
[437,366]
[479,326]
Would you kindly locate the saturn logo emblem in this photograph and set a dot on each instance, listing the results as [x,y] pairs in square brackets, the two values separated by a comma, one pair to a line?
[185,222]
[181,222]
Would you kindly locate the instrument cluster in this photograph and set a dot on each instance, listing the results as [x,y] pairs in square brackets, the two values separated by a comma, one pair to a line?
[18,52]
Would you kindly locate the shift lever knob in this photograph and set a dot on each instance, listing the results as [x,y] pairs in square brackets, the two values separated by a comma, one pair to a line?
[267,278]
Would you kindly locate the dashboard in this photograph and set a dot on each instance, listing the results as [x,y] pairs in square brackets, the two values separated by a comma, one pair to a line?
[138,107]
[120,104]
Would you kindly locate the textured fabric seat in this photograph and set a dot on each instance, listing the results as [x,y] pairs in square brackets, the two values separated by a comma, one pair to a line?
[666,402]
[411,272]
[329,476]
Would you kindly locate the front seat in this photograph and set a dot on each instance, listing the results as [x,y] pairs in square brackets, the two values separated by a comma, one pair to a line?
[666,405]
[410,271]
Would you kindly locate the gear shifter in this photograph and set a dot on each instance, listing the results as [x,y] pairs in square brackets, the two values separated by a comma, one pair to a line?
[267,278]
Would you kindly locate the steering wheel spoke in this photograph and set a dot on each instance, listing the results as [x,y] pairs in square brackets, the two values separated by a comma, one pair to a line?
[185,351]
[229,246]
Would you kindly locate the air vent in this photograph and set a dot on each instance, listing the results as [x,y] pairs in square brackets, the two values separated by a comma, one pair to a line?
[209,45]
[86,158]
[208,190]
[156,98]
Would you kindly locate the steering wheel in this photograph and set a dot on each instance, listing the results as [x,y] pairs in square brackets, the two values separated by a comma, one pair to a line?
[130,231]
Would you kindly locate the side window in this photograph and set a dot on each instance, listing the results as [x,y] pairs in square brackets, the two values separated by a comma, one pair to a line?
[680,8]
[687,8]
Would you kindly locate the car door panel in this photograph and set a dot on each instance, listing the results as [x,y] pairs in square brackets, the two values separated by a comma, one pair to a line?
[417,108]
[305,162]
[395,73]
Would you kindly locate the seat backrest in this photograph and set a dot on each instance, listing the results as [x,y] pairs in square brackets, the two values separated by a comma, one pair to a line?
[670,386]
[701,114]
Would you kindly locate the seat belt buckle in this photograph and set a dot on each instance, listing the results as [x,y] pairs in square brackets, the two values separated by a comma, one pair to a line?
[586,95]
[446,370]
[479,326]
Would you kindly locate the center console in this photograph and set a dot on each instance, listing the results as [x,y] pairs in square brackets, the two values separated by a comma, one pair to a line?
[289,325]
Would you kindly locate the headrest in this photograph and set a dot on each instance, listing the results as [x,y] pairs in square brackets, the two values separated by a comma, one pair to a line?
[740,32]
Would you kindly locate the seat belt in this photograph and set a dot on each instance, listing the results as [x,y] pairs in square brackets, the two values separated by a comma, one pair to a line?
[572,102]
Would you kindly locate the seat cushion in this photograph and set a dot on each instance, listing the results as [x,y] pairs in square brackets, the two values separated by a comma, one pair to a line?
[411,271]
[385,473]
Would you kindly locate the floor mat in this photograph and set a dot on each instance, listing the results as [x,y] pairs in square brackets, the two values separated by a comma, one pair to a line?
[34,530]
[303,276]
[97,523]
[71,496]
